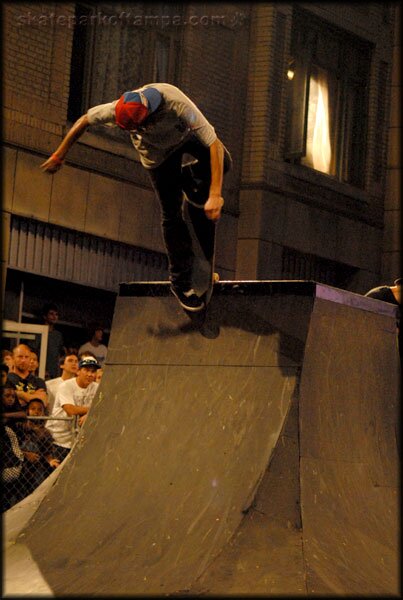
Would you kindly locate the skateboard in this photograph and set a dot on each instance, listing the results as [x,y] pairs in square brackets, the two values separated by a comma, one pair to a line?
[203,234]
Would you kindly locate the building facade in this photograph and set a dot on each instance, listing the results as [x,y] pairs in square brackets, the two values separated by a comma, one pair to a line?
[301,94]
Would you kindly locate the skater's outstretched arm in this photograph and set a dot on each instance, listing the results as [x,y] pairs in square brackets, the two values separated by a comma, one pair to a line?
[215,202]
[54,163]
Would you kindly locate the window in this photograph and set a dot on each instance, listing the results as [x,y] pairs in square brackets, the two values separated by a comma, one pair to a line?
[163,41]
[327,80]
[80,62]
[166,60]
[106,59]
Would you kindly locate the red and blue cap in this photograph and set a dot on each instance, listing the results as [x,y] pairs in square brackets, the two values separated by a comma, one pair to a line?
[133,108]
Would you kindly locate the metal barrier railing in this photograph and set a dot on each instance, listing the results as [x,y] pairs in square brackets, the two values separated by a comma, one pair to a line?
[27,457]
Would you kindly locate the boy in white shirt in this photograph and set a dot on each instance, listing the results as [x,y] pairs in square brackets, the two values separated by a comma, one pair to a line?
[69,367]
[73,399]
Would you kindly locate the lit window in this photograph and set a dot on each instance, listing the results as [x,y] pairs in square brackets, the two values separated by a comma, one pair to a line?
[319,139]
[327,80]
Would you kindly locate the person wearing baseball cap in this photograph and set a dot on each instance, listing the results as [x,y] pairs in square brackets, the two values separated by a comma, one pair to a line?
[73,399]
[166,127]
[133,108]
[89,363]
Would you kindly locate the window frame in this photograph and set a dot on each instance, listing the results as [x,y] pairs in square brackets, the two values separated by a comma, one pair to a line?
[81,75]
[307,30]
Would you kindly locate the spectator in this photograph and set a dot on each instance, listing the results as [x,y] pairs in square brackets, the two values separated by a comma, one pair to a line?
[28,386]
[387,293]
[72,350]
[12,462]
[36,442]
[4,373]
[33,363]
[95,344]
[69,367]
[8,359]
[85,354]
[56,348]
[393,295]
[73,399]
[11,408]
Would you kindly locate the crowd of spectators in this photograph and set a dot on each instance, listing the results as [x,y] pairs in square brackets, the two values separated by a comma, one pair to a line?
[41,417]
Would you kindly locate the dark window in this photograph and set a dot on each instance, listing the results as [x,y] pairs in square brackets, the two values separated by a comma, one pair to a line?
[328,75]
[80,61]
[164,31]
[165,68]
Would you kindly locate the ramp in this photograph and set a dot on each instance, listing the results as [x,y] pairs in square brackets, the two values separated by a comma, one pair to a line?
[325,520]
[257,455]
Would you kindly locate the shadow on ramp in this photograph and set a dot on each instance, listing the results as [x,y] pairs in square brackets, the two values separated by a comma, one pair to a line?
[262,460]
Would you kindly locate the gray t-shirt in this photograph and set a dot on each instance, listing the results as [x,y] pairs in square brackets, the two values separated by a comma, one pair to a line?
[169,127]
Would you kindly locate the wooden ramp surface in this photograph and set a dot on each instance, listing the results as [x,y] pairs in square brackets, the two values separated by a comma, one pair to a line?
[255,456]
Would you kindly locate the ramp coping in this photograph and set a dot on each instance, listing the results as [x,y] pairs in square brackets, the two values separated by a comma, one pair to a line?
[269,288]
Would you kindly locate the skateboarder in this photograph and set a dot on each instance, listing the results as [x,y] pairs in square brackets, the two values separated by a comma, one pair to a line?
[165,127]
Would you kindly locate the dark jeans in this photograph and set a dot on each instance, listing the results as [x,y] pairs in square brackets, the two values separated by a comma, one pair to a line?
[169,180]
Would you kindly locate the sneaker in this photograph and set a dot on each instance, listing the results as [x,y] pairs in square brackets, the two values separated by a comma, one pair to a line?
[189,300]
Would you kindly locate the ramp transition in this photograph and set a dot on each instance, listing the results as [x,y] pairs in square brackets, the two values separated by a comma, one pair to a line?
[257,455]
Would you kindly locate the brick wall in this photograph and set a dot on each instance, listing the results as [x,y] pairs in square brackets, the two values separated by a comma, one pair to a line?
[391,255]
[296,207]
[214,66]
[37,47]
[232,61]
[258,85]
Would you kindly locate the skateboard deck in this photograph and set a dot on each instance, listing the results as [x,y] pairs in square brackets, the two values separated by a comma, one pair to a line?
[203,234]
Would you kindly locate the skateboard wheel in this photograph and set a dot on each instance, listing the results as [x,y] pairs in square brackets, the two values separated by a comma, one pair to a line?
[216,277]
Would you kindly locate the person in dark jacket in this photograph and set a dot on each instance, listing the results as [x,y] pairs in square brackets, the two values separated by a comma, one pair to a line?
[36,443]
[393,295]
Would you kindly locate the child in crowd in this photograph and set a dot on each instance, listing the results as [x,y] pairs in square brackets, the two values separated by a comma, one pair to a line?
[8,359]
[36,442]
[4,373]
[12,410]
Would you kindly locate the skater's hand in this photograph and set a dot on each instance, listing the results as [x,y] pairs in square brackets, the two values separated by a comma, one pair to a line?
[52,165]
[213,207]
